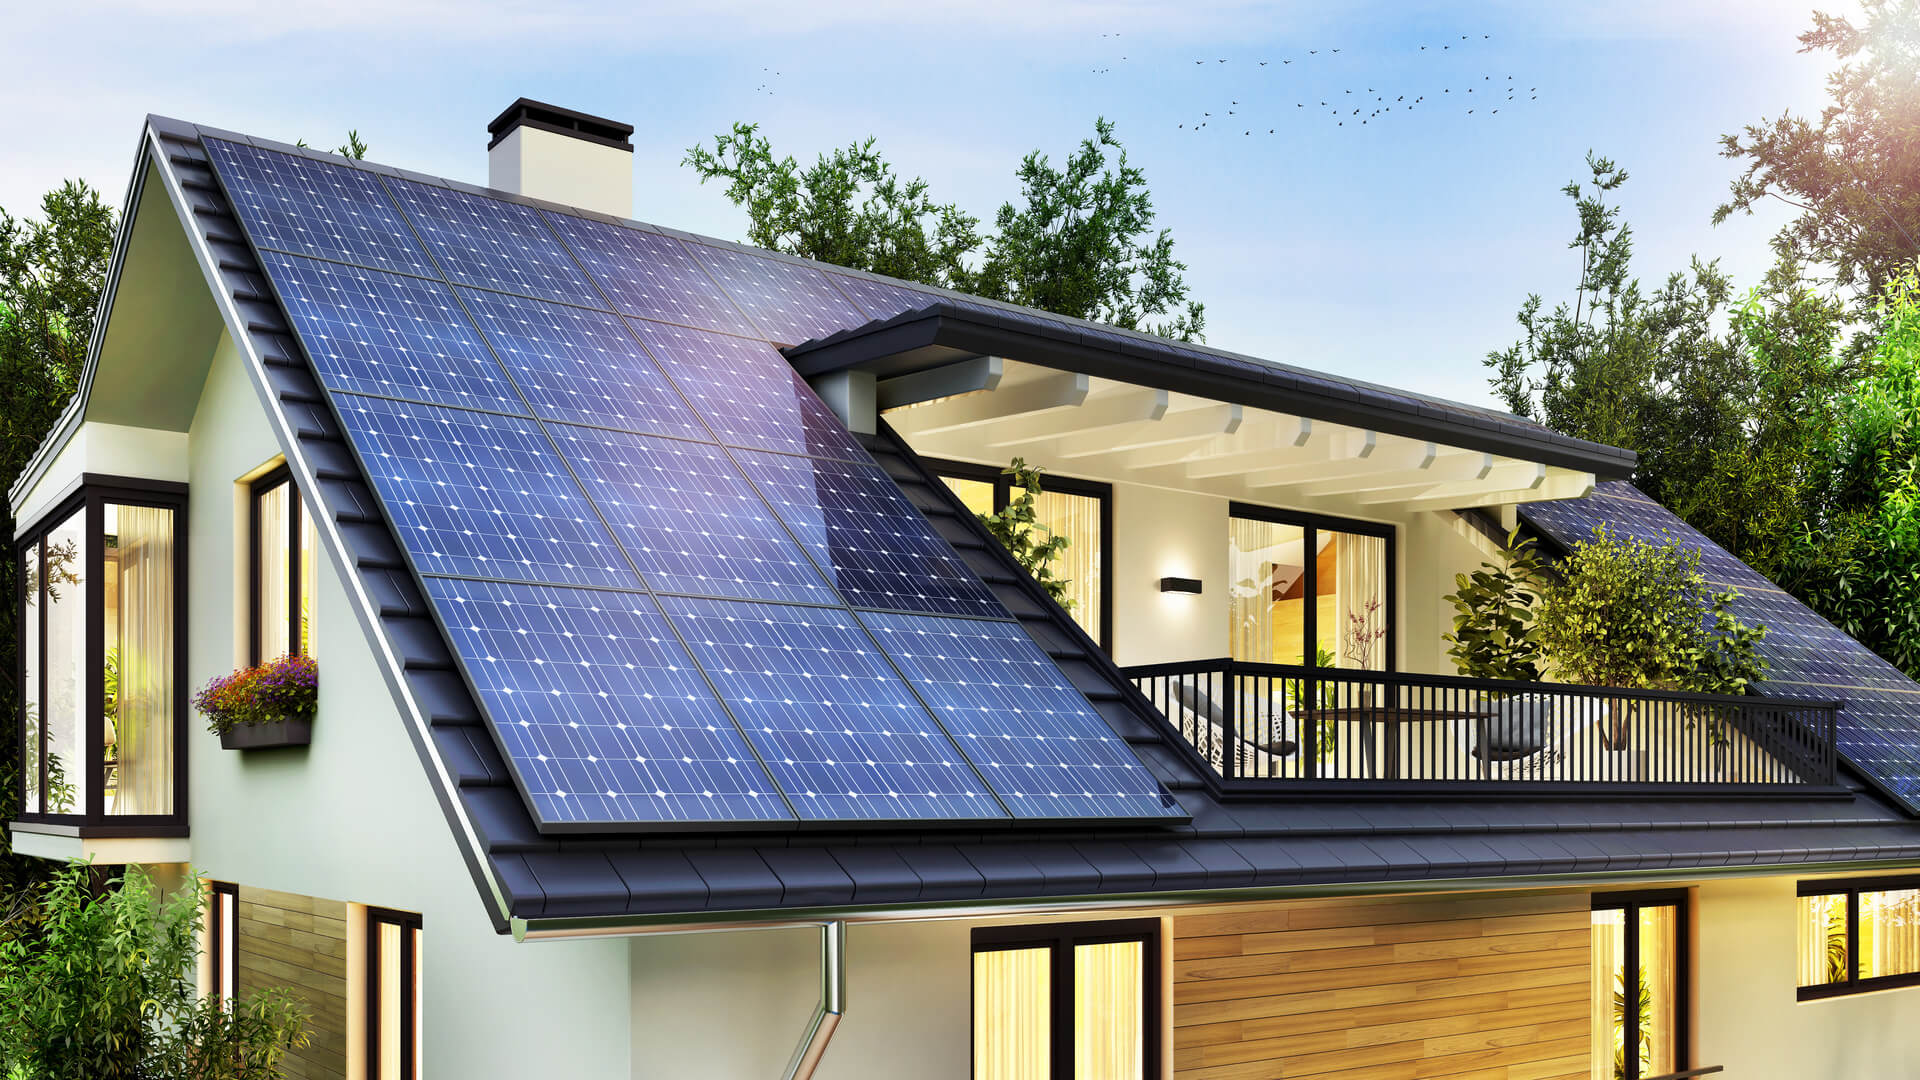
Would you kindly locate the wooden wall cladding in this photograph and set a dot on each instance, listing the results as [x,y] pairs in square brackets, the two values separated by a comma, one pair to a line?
[300,943]
[1397,988]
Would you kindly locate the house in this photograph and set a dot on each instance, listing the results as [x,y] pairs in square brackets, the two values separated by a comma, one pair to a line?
[678,717]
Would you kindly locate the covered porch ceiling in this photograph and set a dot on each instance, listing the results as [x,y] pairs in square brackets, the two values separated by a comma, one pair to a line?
[990,410]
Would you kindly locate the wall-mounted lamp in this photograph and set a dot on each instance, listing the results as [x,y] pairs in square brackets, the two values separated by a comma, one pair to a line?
[1180,584]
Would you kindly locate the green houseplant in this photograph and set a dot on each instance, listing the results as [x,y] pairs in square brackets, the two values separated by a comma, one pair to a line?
[1018,528]
[269,705]
[1493,633]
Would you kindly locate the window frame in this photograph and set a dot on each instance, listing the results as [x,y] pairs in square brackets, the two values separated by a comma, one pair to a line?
[1066,485]
[1311,524]
[410,942]
[218,956]
[1060,939]
[89,495]
[1851,888]
[1630,903]
[259,487]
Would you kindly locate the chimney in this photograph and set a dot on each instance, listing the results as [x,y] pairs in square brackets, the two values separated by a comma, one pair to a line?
[546,152]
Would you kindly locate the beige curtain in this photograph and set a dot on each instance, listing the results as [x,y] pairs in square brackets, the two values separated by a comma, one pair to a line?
[273,511]
[1823,939]
[393,999]
[30,679]
[142,628]
[1360,599]
[69,776]
[309,583]
[1109,1037]
[1889,933]
[1264,561]
[1609,962]
[1658,937]
[1076,517]
[1011,1025]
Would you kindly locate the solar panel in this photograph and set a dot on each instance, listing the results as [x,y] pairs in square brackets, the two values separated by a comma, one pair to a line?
[599,710]
[493,244]
[313,208]
[841,734]
[867,538]
[582,366]
[879,299]
[369,332]
[790,303]
[650,276]
[1807,656]
[689,520]
[1034,738]
[478,495]
[748,393]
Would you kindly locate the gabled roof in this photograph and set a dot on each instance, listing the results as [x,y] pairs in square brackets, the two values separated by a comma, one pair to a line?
[537,880]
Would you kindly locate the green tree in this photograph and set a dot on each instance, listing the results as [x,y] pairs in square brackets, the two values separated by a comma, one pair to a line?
[1081,242]
[1853,173]
[1018,528]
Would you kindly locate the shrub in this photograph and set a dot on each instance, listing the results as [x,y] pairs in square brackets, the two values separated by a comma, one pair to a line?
[284,689]
[1493,635]
[1018,529]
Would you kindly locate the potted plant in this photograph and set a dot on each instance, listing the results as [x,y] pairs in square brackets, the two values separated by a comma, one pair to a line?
[269,705]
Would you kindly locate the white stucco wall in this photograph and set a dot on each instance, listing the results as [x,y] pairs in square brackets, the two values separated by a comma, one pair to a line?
[111,449]
[1746,1016]
[353,818]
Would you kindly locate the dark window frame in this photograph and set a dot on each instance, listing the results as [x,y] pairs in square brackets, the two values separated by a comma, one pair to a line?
[89,496]
[218,955]
[1851,888]
[1065,485]
[410,931]
[296,518]
[1311,524]
[1630,903]
[1060,939]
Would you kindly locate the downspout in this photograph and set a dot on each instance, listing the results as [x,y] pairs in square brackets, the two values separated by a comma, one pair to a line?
[833,1002]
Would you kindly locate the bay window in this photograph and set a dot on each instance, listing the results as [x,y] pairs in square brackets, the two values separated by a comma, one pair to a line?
[102,680]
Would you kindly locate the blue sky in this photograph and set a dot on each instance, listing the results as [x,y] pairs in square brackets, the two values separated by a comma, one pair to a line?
[1396,251]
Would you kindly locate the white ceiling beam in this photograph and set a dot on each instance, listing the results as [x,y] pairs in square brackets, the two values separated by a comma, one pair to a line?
[1367,459]
[1459,467]
[1100,412]
[1065,390]
[1513,481]
[947,380]
[1170,430]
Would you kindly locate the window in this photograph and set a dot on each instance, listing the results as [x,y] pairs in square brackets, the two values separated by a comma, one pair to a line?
[1639,985]
[1068,1002]
[223,941]
[283,557]
[1859,935]
[1308,589]
[1080,510]
[393,995]
[103,685]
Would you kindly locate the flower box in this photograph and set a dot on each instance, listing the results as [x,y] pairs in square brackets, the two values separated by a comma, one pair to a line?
[263,736]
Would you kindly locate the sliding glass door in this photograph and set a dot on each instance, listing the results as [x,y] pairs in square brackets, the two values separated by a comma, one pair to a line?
[1304,589]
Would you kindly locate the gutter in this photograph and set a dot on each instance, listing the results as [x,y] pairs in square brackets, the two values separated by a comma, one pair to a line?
[833,1002]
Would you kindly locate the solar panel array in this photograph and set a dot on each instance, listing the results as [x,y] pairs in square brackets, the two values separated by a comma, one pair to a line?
[681,591]
[1807,656]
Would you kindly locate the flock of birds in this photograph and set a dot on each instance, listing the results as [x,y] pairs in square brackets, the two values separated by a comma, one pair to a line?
[1485,98]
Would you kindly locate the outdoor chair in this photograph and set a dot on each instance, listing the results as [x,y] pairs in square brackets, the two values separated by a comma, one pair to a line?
[1203,723]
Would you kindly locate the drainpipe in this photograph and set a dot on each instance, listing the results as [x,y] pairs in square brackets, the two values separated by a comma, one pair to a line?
[833,1002]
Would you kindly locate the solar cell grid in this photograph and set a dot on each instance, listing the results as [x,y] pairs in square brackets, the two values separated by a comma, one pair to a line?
[747,392]
[690,521]
[369,332]
[869,541]
[478,495]
[880,299]
[650,276]
[313,208]
[599,709]
[493,244]
[1034,738]
[841,734]
[790,303]
[582,366]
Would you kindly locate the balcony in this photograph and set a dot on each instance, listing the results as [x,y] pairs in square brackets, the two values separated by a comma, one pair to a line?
[1277,727]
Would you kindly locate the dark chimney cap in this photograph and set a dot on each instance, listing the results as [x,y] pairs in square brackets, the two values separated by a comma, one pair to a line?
[538,114]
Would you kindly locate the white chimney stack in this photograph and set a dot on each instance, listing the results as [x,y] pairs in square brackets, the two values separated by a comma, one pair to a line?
[546,152]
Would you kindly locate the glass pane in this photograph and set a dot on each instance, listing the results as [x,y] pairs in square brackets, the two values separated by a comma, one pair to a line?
[67,775]
[272,511]
[226,983]
[1609,995]
[1077,518]
[137,750]
[1352,609]
[1823,939]
[1659,990]
[1266,591]
[1109,1011]
[309,569]
[392,1001]
[977,495]
[30,681]
[1889,933]
[1011,1002]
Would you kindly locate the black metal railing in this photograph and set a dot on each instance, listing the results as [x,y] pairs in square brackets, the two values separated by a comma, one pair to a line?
[1276,722]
